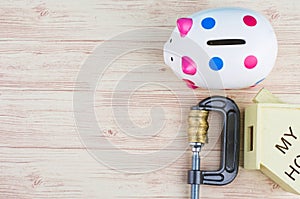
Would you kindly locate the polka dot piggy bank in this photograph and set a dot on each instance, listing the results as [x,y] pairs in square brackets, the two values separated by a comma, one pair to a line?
[225,48]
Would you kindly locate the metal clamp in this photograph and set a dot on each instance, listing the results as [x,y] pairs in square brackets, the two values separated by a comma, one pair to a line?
[230,142]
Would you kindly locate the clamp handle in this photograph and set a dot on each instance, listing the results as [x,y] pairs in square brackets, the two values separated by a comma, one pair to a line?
[230,140]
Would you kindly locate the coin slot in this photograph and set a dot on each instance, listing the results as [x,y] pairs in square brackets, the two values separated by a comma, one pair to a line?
[223,42]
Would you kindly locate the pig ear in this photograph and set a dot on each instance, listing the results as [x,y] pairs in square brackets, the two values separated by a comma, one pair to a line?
[184,25]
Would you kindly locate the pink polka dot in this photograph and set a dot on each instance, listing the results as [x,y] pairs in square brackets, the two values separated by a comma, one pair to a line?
[250,62]
[190,84]
[249,20]
[189,67]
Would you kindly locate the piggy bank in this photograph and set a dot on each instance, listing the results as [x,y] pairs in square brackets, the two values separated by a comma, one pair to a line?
[224,48]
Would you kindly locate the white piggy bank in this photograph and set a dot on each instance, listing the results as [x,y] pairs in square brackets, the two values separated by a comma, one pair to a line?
[224,48]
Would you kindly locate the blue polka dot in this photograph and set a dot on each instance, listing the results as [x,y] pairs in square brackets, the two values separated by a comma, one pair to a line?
[216,63]
[208,23]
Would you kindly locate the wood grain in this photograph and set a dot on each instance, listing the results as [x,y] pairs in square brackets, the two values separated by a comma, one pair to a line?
[43,47]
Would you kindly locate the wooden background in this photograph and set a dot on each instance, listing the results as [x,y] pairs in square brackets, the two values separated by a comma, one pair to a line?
[44,44]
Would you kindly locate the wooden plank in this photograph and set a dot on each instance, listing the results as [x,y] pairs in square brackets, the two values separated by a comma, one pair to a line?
[98,20]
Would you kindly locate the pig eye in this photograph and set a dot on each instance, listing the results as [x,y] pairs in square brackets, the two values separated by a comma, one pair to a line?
[172,59]
[171,40]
